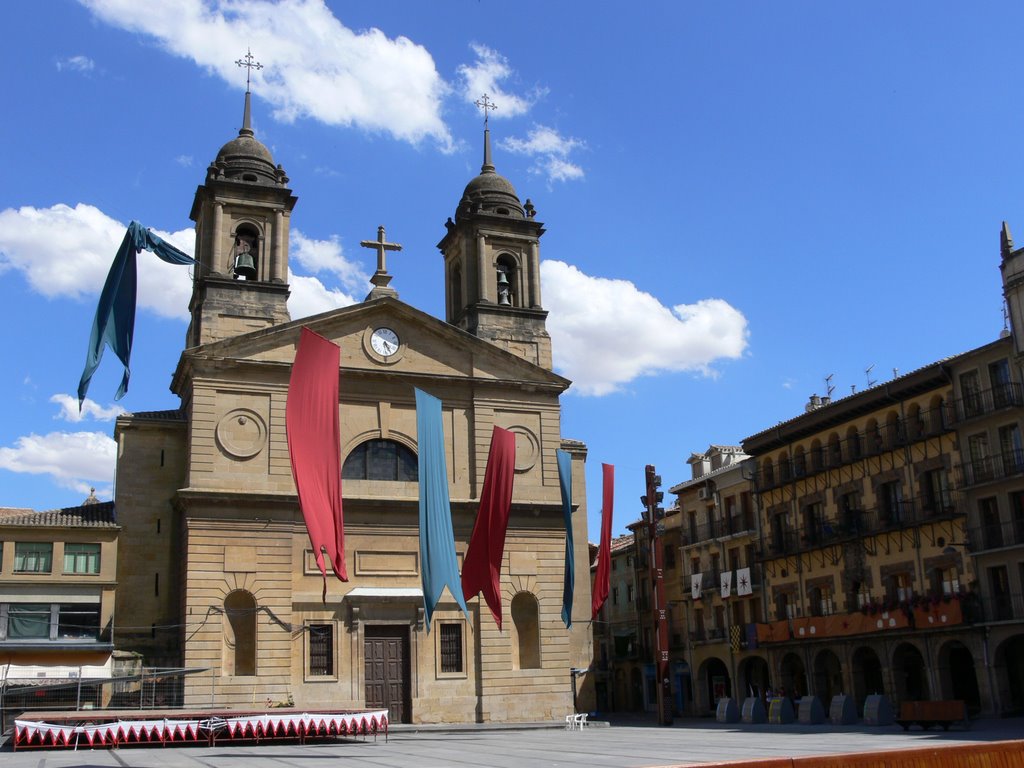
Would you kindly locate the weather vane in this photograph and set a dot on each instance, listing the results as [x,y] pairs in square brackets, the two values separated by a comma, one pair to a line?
[250,63]
[486,106]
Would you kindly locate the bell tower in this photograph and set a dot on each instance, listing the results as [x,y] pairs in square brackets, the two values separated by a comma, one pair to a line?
[492,265]
[242,213]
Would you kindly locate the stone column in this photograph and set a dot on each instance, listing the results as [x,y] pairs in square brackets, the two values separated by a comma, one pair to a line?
[535,300]
[482,268]
[214,264]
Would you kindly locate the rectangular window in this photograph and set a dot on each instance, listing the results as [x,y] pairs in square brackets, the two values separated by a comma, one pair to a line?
[451,648]
[970,393]
[826,605]
[47,621]
[33,557]
[670,556]
[935,492]
[28,621]
[321,650]
[78,621]
[81,558]
[899,587]
[999,377]
[1017,511]
[1012,449]
[615,595]
[991,525]
[980,464]
[950,581]
[890,503]
[629,593]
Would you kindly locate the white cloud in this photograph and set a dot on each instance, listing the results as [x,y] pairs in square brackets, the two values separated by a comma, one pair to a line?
[76,64]
[326,256]
[550,151]
[606,333]
[315,66]
[484,77]
[311,297]
[185,161]
[65,251]
[90,409]
[76,460]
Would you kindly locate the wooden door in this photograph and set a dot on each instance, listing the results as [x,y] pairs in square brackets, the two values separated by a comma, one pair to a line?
[386,654]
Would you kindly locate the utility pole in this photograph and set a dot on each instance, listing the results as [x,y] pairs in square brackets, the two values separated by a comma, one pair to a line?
[653,514]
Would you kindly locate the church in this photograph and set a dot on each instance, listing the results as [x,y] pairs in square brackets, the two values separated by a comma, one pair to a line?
[216,573]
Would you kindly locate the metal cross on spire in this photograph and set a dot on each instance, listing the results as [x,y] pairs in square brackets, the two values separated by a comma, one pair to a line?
[486,106]
[250,63]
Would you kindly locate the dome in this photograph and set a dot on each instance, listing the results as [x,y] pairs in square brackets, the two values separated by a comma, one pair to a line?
[245,158]
[245,146]
[493,193]
[490,192]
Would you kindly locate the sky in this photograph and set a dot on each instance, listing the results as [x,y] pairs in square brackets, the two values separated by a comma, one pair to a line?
[741,199]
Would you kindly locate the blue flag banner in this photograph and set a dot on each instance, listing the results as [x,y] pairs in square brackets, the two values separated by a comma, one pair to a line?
[114,324]
[439,567]
[565,482]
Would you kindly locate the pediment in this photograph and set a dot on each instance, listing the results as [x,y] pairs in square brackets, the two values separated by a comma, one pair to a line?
[427,347]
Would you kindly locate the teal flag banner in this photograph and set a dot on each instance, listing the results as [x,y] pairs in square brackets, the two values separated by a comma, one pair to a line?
[439,566]
[565,482]
[114,324]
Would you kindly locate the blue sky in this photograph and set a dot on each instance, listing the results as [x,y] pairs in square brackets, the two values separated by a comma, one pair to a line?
[740,198]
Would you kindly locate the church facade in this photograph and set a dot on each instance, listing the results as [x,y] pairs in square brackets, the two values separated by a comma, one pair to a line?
[217,571]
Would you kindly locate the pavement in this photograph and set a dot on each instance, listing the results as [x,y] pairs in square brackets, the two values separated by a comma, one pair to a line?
[625,742]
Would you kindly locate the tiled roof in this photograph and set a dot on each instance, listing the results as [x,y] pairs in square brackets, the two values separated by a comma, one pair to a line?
[622,542]
[96,515]
[6,512]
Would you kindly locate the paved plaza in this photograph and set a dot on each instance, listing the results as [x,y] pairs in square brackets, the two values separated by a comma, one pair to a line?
[622,744]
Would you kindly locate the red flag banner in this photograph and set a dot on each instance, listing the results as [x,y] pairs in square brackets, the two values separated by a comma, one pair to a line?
[481,570]
[602,578]
[311,418]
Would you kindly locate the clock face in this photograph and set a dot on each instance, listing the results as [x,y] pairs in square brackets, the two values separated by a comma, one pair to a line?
[384,342]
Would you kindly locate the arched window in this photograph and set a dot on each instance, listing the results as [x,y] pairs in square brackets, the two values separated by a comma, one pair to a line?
[915,423]
[853,444]
[799,462]
[507,281]
[240,633]
[893,430]
[785,468]
[245,254]
[768,472]
[525,633]
[380,460]
[817,456]
[835,451]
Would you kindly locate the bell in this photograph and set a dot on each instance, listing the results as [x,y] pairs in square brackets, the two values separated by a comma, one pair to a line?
[504,290]
[245,266]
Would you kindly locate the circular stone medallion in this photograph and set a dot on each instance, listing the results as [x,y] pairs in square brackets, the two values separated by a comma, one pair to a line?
[241,433]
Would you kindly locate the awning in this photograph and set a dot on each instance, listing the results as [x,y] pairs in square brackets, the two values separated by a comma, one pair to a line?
[385,593]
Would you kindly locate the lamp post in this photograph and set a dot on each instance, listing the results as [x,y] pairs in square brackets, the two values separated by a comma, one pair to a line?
[653,513]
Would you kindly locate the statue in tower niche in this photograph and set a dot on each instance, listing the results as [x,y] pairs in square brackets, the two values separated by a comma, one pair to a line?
[243,264]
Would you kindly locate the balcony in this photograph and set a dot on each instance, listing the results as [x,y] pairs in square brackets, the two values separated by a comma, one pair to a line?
[719,529]
[988,469]
[854,524]
[1002,607]
[850,450]
[974,405]
[995,535]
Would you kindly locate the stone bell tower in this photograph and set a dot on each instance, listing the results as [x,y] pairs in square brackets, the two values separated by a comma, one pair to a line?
[242,214]
[492,265]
